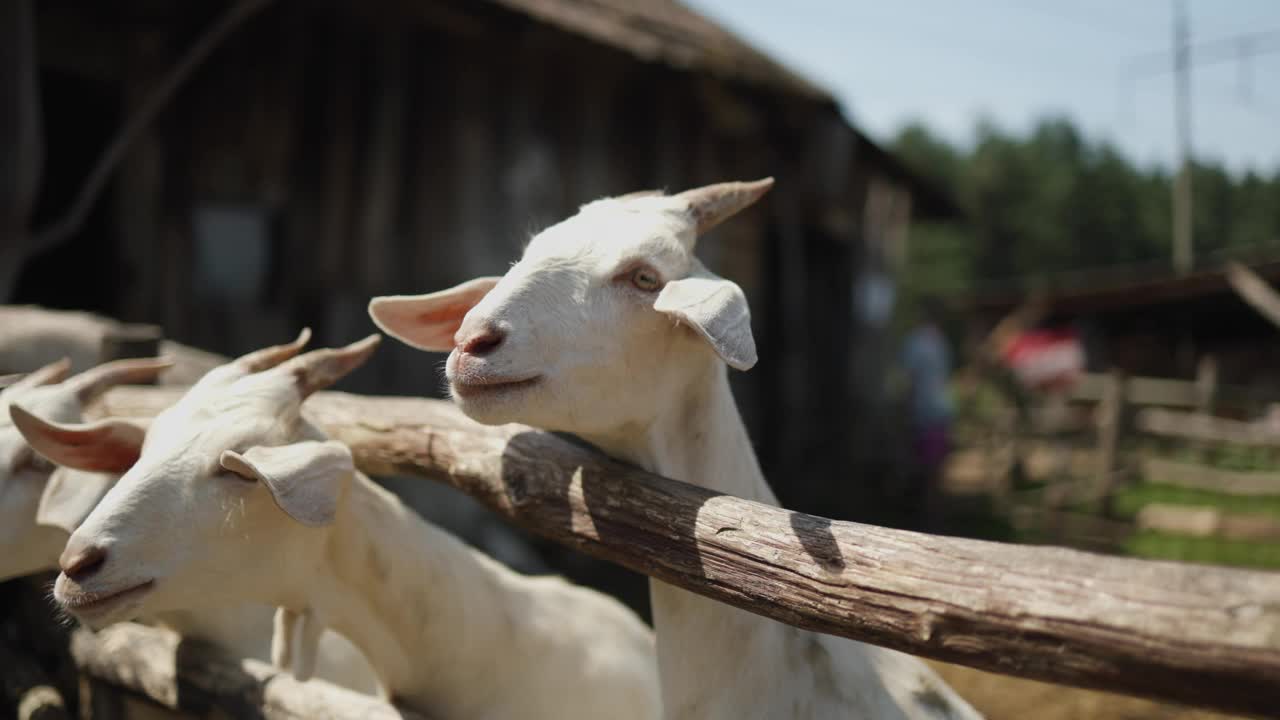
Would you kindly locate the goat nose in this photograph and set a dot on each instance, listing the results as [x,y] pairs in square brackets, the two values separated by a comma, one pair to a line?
[483,342]
[79,562]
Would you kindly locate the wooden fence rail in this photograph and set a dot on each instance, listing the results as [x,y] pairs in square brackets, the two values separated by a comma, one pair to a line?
[1208,522]
[1167,392]
[1199,477]
[1206,428]
[193,679]
[1199,635]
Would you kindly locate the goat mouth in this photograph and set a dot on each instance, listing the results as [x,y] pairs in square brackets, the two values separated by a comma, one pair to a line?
[480,387]
[98,603]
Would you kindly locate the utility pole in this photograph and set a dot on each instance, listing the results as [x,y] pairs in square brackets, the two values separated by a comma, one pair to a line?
[1182,198]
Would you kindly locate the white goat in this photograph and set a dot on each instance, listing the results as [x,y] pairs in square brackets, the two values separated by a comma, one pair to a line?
[610,328]
[235,497]
[41,505]
[32,336]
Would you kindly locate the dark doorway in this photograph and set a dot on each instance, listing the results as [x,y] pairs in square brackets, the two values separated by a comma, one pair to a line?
[80,115]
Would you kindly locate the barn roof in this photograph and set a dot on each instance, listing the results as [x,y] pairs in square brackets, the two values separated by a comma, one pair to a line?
[669,32]
[672,33]
[1142,290]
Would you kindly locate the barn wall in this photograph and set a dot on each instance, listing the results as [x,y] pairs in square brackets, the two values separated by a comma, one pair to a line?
[330,152]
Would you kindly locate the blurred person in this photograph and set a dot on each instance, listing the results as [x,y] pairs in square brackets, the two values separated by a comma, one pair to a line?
[926,360]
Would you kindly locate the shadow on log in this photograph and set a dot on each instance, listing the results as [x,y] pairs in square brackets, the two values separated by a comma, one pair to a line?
[1198,635]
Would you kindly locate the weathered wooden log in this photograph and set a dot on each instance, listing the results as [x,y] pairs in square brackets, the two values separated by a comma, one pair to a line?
[1199,635]
[183,675]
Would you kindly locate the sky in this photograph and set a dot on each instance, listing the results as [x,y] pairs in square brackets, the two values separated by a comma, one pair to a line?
[949,63]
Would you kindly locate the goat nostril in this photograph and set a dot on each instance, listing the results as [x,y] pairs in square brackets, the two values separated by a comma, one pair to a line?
[83,564]
[483,343]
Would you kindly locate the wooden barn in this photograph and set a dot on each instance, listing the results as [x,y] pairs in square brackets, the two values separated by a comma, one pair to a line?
[330,151]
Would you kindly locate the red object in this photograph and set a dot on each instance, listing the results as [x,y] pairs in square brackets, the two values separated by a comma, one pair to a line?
[1046,360]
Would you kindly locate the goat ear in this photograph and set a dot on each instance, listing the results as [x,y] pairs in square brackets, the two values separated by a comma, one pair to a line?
[111,445]
[717,309]
[304,478]
[428,322]
[70,495]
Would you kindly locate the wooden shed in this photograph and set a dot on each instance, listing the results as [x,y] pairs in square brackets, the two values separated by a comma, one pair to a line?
[1161,325]
[330,151]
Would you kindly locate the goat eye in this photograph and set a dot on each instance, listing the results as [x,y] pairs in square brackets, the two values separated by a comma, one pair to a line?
[645,279]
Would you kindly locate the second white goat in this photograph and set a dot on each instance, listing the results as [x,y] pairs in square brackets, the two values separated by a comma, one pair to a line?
[234,497]
[41,505]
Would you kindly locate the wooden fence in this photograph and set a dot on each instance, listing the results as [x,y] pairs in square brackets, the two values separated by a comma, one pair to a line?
[1083,448]
[1197,635]
[179,675]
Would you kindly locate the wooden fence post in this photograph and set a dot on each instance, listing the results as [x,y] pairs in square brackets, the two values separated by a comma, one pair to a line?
[131,341]
[1110,421]
[1206,384]
[1206,389]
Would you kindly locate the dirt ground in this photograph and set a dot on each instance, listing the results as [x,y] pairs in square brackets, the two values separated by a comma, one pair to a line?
[1006,698]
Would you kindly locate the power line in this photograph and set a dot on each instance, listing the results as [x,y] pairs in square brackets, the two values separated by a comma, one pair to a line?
[1220,50]
[1056,13]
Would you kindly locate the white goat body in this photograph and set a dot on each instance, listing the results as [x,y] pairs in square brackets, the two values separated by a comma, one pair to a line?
[236,498]
[31,337]
[609,327]
[41,505]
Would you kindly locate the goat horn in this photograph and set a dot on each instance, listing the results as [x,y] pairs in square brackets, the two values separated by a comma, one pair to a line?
[319,369]
[93,382]
[55,371]
[7,380]
[641,194]
[713,204]
[267,358]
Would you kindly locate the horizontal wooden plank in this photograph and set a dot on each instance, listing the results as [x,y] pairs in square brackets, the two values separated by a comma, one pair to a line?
[1200,477]
[1205,428]
[1164,392]
[1207,522]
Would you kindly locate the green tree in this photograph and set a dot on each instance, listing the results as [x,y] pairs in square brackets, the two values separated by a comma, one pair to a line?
[1052,201]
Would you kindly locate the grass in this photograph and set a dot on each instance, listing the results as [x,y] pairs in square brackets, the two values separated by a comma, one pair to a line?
[1204,550]
[1216,551]
[1130,499]
[983,521]
[1230,457]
